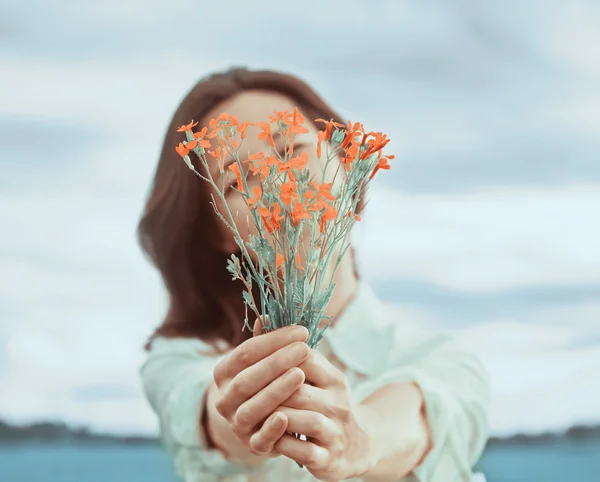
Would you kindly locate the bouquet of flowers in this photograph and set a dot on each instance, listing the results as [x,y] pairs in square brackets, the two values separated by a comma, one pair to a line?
[300,219]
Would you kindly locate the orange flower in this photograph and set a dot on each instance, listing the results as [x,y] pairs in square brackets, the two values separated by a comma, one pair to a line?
[191,145]
[261,165]
[326,134]
[200,137]
[260,168]
[271,219]
[297,121]
[242,129]
[187,127]
[218,152]
[356,216]
[321,136]
[353,131]
[218,155]
[253,201]
[351,153]
[376,144]
[328,215]
[278,260]
[283,116]
[383,164]
[288,192]
[299,213]
[329,125]
[317,204]
[266,133]
[182,150]
[324,191]
[297,162]
[235,168]
[200,133]
[224,120]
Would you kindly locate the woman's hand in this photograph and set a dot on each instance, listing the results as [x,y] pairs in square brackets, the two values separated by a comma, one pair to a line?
[251,382]
[339,442]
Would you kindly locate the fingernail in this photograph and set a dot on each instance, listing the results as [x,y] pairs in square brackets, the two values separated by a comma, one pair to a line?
[299,351]
[300,330]
[277,420]
[295,374]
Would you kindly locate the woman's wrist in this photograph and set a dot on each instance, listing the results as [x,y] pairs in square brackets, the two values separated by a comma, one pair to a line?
[371,423]
[396,423]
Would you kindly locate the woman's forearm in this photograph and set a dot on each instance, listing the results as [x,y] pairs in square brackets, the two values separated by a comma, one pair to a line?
[399,430]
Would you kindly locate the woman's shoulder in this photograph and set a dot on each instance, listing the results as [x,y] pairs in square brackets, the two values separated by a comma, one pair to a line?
[370,333]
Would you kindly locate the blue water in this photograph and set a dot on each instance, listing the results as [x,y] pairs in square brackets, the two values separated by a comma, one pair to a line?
[569,462]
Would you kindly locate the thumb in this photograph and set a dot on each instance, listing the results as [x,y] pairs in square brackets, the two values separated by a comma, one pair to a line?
[258,328]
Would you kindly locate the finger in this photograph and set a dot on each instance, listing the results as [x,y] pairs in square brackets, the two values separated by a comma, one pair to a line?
[253,379]
[259,326]
[306,453]
[320,372]
[312,424]
[263,441]
[308,397]
[256,349]
[261,405]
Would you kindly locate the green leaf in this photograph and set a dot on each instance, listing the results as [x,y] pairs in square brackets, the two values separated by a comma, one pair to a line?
[322,299]
[274,312]
[247,298]
[338,136]
[234,267]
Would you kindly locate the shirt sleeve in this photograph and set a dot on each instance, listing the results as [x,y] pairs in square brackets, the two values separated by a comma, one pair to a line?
[456,390]
[176,376]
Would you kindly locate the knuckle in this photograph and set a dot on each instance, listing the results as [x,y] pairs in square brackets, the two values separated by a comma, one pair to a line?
[237,389]
[336,448]
[221,407]
[305,395]
[243,418]
[312,458]
[258,445]
[271,365]
[320,425]
[343,413]
[244,354]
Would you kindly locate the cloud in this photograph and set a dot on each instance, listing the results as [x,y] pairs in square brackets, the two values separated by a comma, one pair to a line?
[461,308]
[492,240]
[472,97]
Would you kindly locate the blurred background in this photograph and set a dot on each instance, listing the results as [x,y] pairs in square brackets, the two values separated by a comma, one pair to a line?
[488,223]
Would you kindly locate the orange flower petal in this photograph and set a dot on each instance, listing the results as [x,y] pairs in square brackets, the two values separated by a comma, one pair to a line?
[187,127]
[278,260]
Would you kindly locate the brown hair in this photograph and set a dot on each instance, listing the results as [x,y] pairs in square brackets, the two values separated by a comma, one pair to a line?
[178,229]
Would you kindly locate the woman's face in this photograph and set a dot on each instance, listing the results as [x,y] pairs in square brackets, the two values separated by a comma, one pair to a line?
[254,107]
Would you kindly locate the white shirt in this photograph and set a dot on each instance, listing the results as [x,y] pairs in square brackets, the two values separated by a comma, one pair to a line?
[373,349]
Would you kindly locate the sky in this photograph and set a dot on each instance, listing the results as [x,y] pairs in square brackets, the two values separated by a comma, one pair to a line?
[487,225]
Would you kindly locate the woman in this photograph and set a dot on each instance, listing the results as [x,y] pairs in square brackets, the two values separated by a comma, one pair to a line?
[381,401]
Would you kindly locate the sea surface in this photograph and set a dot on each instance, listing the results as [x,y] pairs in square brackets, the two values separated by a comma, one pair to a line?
[558,462]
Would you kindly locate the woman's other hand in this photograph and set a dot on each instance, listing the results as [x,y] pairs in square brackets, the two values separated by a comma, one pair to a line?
[339,443]
[250,383]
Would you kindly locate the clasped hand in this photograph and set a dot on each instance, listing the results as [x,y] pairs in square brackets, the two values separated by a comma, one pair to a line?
[274,385]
